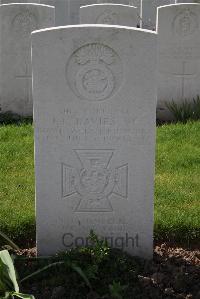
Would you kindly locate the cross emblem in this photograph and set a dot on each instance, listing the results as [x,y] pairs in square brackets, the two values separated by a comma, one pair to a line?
[185,72]
[94,182]
[28,83]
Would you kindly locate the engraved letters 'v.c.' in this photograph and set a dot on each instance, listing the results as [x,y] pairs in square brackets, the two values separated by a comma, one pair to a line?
[95,181]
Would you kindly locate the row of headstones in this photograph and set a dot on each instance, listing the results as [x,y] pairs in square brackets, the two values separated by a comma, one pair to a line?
[94,93]
[67,12]
[178,50]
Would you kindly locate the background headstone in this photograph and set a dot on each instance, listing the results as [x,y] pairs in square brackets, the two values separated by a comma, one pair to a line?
[61,8]
[94,136]
[74,7]
[46,2]
[186,1]
[17,22]
[113,14]
[179,55]
[149,11]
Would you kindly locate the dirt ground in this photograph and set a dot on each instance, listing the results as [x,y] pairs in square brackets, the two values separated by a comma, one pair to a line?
[173,273]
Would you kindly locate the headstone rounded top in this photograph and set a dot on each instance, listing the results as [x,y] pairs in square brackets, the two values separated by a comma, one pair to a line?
[107,4]
[96,26]
[177,5]
[185,20]
[26,4]
[108,13]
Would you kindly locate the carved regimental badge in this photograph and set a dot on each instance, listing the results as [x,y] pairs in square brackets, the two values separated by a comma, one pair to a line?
[94,72]
[24,23]
[185,23]
[108,17]
[95,181]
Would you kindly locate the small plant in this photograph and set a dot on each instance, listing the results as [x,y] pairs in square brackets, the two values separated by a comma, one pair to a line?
[196,107]
[12,118]
[181,112]
[186,110]
[65,262]
[9,288]
[99,248]
[116,290]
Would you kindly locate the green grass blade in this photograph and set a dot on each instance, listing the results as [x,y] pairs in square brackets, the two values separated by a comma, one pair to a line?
[9,241]
[41,270]
[23,296]
[82,274]
[8,274]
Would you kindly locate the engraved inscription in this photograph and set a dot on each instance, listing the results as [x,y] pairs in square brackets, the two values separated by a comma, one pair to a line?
[95,181]
[94,72]
[24,23]
[185,23]
[95,124]
[108,17]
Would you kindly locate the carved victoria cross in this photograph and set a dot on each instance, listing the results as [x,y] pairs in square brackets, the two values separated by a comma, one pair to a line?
[94,182]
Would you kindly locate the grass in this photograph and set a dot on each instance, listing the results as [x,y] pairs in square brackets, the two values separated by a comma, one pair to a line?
[177,189]
[17,181]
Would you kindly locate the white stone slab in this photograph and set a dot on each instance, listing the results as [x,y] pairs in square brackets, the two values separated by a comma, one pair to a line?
[94,90]
[113,14]
[179,54]
[62,16]
[46,2]
[74,7]
[149,11]
[185,1]
[17,22]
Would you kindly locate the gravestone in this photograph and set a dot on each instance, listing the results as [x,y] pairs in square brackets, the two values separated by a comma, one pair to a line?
[179,55]
[17,22]
[113,14]
[46,2]
[185,1]
[74,7]
[94,136]
[62,12]
[149,12]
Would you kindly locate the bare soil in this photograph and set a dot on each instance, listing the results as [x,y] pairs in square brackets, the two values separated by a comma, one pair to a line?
[173,273]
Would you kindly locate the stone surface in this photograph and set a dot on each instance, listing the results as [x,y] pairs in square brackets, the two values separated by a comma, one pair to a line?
[17,22]
[74,7]
[60,8]
[94,90]
[113,14]
[46,2]
[149,12]
[186,1]
[179,55]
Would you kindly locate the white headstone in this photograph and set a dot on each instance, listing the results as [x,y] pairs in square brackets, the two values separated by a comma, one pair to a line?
[149,11]
[17,22]
[47,2]
[179,54]
[113,14]
[62,14]
[186,1]
[94,90]
[74,7]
